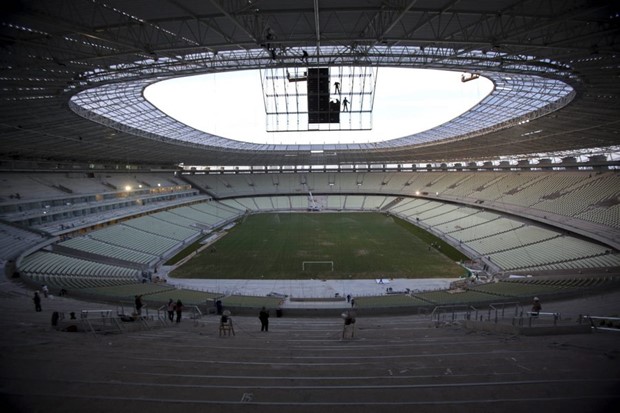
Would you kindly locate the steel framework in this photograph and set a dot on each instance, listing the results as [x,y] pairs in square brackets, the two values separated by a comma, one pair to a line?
[59,55]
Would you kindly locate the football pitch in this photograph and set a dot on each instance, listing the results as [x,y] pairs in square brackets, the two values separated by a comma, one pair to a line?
[325,246]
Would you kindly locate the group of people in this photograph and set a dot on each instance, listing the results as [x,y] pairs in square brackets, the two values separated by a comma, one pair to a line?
[263,316]
[172,308]
[348,317]
[345,102]
[350,300]
[175,308]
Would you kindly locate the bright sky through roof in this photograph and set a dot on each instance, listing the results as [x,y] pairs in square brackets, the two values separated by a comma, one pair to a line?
[230,105]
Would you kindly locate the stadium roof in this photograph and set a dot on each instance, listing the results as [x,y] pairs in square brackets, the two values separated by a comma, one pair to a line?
[73,71]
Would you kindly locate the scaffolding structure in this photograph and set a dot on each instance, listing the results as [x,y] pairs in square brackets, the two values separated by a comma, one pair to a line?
[318,98]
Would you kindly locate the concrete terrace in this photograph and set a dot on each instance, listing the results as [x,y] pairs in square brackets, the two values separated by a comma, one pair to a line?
[403,363]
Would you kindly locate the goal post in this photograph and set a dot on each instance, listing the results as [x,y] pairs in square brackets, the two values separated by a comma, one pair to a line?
[323,264]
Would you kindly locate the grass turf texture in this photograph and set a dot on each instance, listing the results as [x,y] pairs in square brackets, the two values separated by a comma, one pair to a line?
[361,245]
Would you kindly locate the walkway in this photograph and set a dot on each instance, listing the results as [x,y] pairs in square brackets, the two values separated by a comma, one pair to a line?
[308,288]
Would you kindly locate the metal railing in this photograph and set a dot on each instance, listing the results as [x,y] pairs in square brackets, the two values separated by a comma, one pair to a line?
[162,315]
[603,322]
[195,312]
[106,320]
[97,321]
[498,310]
[533,317]
[453,312]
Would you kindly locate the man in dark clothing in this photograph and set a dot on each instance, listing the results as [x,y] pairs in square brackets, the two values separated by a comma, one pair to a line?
[139,304]
[536,307]
[37,302]
[264,319]
[179,309]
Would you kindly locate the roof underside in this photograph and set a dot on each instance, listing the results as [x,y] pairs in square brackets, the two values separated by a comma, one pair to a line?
[54,49]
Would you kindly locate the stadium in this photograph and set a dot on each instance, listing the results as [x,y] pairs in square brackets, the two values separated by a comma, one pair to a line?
[436,241]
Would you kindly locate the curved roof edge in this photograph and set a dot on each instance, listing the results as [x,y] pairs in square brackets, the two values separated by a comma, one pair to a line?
[518,97]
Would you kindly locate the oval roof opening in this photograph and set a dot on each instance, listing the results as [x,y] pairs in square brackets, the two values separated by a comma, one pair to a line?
[232,105]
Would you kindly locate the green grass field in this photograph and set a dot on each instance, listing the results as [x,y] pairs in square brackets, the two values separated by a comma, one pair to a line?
[361,245]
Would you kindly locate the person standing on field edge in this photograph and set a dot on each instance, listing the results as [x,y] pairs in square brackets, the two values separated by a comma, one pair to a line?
[264,319]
